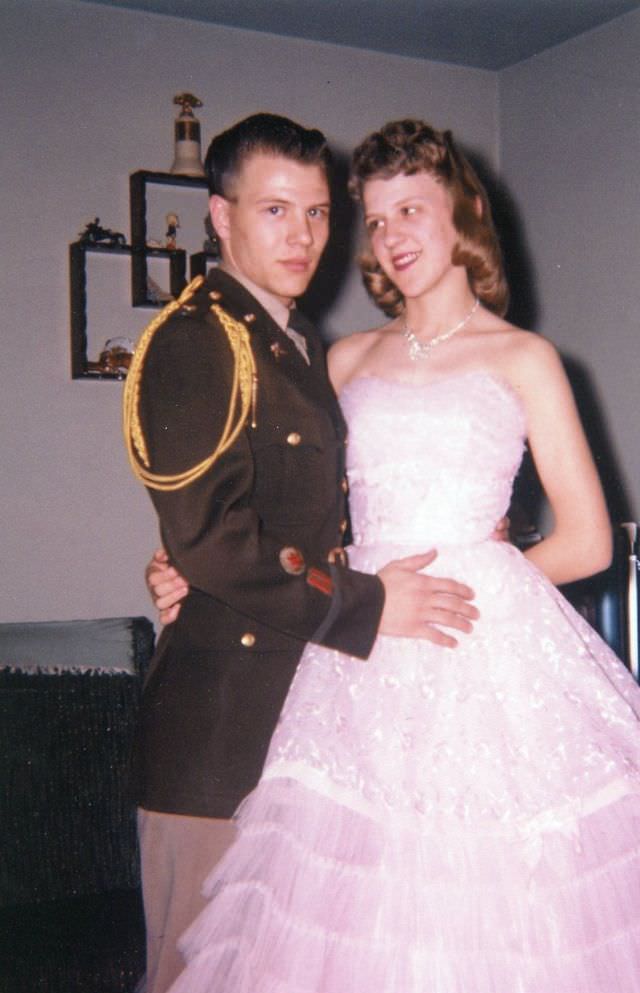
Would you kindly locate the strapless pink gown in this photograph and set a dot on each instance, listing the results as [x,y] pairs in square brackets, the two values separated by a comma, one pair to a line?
[438,821]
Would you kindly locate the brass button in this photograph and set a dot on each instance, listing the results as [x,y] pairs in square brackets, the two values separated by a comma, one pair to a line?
[344,485]
[215,296]
[293,438]
[248,640]
[343,526]
[249,318]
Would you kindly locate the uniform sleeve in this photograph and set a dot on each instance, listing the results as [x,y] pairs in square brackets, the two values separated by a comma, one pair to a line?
[213,535]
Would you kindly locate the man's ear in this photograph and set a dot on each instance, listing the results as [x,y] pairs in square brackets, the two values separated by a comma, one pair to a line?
[219,212]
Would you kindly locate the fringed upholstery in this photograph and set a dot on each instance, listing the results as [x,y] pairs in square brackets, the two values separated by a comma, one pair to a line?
[70,906]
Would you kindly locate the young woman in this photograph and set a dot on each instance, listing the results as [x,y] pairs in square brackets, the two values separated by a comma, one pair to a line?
[438,821]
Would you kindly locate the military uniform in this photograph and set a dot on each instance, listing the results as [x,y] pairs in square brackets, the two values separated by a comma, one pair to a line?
[256,534]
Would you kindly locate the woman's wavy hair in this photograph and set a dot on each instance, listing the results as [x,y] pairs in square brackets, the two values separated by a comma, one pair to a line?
[411,146]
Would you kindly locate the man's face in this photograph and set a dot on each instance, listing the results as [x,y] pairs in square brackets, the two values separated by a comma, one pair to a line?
[275,224]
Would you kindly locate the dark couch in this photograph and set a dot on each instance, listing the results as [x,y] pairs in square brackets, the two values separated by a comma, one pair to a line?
[70,906]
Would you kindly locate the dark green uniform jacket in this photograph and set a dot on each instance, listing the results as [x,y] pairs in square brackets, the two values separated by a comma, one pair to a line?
[253,536]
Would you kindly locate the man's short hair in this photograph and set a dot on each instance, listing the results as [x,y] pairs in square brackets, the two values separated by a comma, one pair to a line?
[269,134]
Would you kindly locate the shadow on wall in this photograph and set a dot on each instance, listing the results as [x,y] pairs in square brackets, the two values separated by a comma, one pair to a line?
[602,599]
[524,312]
[341,249]
[598,436]
[523,306]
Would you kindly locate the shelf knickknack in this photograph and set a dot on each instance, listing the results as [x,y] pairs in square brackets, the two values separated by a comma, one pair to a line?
[142,250]
[81,366]
[142,254]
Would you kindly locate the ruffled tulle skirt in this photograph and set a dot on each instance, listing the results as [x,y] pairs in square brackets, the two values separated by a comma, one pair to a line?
[441,822]
[315,899]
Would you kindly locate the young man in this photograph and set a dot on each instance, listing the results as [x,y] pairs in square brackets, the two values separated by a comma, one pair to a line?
[235,429]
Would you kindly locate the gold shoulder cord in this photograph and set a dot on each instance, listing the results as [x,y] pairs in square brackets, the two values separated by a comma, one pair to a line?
[241,401]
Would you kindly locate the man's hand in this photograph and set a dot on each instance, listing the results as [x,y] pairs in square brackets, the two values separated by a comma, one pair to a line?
[418,606]
[501,530]
[166,586]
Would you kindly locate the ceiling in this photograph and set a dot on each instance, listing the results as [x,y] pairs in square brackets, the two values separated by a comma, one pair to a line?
[488,34]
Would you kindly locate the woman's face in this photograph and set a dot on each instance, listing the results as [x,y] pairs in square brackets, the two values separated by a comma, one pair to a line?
[410,225]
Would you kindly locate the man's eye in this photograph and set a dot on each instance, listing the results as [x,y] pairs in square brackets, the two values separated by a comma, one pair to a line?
[274,209]
[317,212]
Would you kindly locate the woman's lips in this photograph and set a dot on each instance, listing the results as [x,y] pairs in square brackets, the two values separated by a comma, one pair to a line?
[401,262]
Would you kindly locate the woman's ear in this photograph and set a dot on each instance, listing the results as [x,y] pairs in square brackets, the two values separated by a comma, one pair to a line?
[477,205]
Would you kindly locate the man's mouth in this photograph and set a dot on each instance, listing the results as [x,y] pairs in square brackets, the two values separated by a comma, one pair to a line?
[297,265]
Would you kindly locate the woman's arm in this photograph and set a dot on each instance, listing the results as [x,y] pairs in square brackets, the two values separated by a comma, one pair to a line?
[580,543]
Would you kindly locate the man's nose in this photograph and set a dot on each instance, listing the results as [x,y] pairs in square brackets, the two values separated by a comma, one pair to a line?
[301,231]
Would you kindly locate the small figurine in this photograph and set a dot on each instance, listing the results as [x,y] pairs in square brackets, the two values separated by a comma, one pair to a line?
[94,234]
[187,101]
[173,223]
[115,358]
[187,161]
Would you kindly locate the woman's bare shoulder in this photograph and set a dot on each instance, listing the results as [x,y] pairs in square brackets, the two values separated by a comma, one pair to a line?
[517,351]
[531,364]
[530,353]
[347,355]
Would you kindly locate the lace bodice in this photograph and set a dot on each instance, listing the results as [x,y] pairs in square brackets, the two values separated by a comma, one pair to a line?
[431,464]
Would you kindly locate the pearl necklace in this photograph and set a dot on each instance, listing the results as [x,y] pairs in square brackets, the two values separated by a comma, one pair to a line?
[421,349]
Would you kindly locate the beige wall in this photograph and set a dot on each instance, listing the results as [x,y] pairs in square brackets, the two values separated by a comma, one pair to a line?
[88,99]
